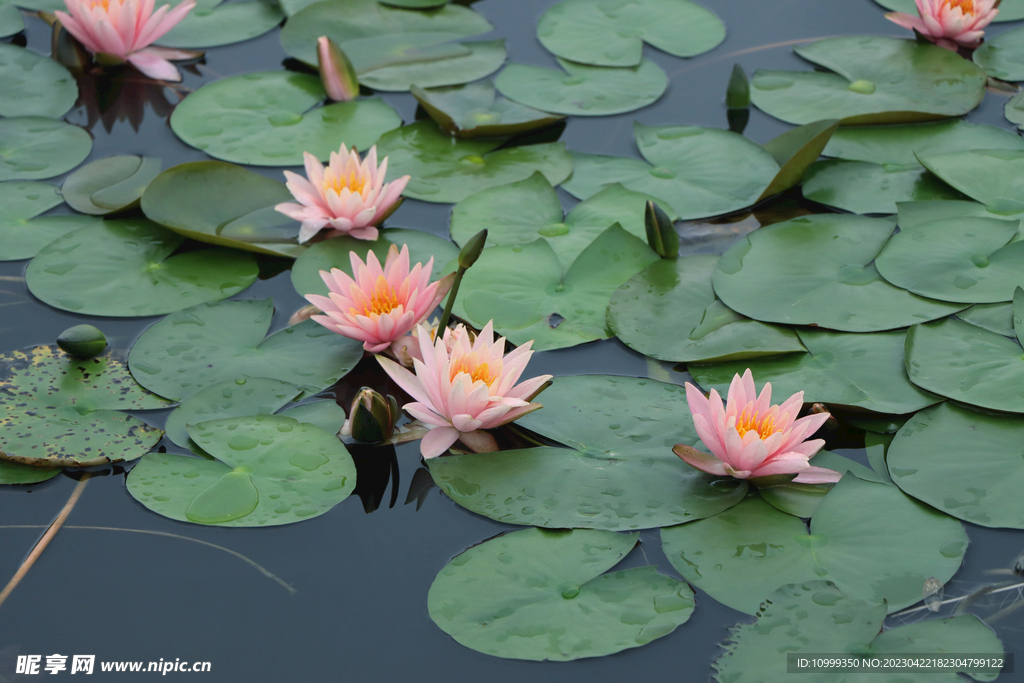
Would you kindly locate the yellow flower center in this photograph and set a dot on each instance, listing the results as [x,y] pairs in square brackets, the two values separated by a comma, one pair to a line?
[477,372]
[356,182]
[966,6]
[105,4]
[764,426]
[382,300]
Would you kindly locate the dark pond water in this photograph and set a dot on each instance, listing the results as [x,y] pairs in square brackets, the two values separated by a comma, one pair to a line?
[356,606]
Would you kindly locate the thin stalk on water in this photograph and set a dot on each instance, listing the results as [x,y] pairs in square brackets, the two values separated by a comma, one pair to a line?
[45,540]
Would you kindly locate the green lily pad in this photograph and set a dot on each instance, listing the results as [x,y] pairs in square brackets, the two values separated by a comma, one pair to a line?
[971,260]
[795,151]
[363,19]
[334,253]
[1014,110]
[525,291]
[542,595]
[700,172]
[126,268]
[211,23]
[586,90]
[206,344]
[996,318]
[521,212]
[802,500]
[962,462]
[11,22]
[669,311]
[325,414]
[109,185]
[817,617]
[268,119]
[16,473]
[1009,10]
[33,148]
[862,187]
[876,80]
[473,110]
[416,4]
[861,370]
[611,33]
[223,204]
[619,471]
[63,412]
[480,60]
[447,170]
[230,398]
[968,364]
[833,283]
[994,177]
[269,470]
[740,555]
[33,85]
[22,231]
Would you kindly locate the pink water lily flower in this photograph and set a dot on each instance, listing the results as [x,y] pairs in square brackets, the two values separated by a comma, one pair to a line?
[464,386]
[348,196]
[750,438]
[949,23]
[122,31]
[376,305]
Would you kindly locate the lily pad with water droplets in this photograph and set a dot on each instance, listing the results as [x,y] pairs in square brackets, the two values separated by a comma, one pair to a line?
[473,110]
[223,204]
[669,311]
[543,596]
[212,23]
[875,80]
[11,21]
[963,462]
[1002,56]
[700,172]
[742,554]
[834,283]
[968,364]
[524,289]
[201,346]
[521,212]
[994,177]
[60,412]
[33,148]
[270,119]
[802,500]
[619,471]
[861,370]
[971,260]
[109,185]
[377,26]
[447,170]
[334,253]
[1014,110]
[817,616]
[586,90]
[269,470]
[863,187]
[1009,10]
[129,268]
[22,233]
[32,84]
[613,33]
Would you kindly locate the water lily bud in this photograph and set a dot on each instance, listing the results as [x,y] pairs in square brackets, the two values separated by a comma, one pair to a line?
[471,251]
[372,417]
[737,93]
[82,342]
[336,72]
[661,232]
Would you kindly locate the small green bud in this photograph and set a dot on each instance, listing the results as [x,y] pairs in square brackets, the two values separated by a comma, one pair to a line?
[737,94]
[471,251]
[661,232]
[82,342]
[372,417]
